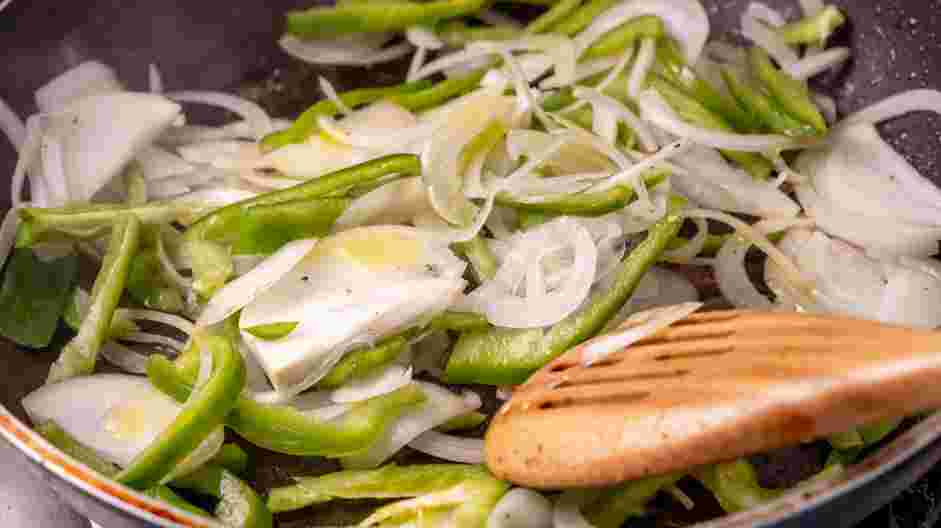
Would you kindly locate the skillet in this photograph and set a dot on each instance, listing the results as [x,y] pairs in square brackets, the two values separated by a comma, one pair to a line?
[232,46]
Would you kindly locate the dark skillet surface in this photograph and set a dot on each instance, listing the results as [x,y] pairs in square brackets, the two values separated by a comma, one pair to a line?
[208,45]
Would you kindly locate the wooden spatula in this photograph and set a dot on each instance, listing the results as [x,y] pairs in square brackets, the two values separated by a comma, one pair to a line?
[713,387]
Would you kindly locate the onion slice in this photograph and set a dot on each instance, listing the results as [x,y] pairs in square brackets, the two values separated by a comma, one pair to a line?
[247,110]
[387,380]
[449,447]
[521,508]
[341,52]
[637,327]
[242,291]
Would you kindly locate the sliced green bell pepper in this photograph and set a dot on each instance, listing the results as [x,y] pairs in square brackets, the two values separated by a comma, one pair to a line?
[239,505]
[458,34]
[170,497]
[224,223]
[212,266]
[464,422]
[33,297]
[482,260]
[233,458]
[79,356]
[289,431]
[363,362]
[617,505]
[196,421]
[264,229]
[617,40]
[374,17]
[735,485]
[556,14]
[765,109]
[814,30]
[508,357]
[459,322]
[147,285]
[791,94]
[306,125]
[691,110]
[586,203]
[582,17]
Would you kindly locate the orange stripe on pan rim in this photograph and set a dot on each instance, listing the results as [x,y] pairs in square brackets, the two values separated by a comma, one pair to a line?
[902,449]
[84,478]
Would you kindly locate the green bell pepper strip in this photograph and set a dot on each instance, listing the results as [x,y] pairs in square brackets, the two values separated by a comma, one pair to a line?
[764,108]
[212,266]
[121,323]
[875,433]
[233,458]
[78,357]
[459,322]
[33,296]
[388,482]
[692,111]
[273,331]
[135,184]
[363,362]
[846,440]
[531,219]
[617,505]
[508,357]
[66,443]
[264,229]
[458,34]
[239,505]
[814,30]
[198,418]
[482,260]
[40,225]
[288,431]
[554,16]
[147,285]
[582,17]
[170,497]
[791,94]
[585,203]
[376,17]
[224,222]
[306,125]
[617,40]
[671,63]
[464,422]
[735,485]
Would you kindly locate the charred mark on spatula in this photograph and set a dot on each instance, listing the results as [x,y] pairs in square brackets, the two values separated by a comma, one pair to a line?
[696,354]
[624,398]
[613,377]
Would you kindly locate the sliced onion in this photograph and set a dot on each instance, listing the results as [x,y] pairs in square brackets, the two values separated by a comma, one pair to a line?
[827,107]
[158,164]
[660,287]
[637,327]
[155,80]
[582,71]
[197,458]
[242,291]
[733,279]
[692,249]
[387,380]
[12,126]
[342,52]
[497,300]
[440,406]
[422,37]
[126,359]
[576,156]
[175,321]
[606,105]
[911,298]
[169,343]
[811,7]
[247,110]
[755,28]
[87,79]
[897,106]
[56,184]
[396,202]
[26,163]
[816,64]
[656,110]
[634,175]
[521,508]
[685,20]
[449,447]
[184,135]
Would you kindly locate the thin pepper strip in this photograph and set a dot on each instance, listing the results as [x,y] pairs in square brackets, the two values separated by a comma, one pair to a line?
[617,505]
[39,225]
[582,17]
[79,356]
[765,109]
[617,40]
[361,363]
[199,417]
[482,260]
[814,30]
[286,430]
[264,229]
[375,17]
[587,203]
[239,505]
[508,357]
[554,16]
[457,34]
[225,222]
[791,94]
